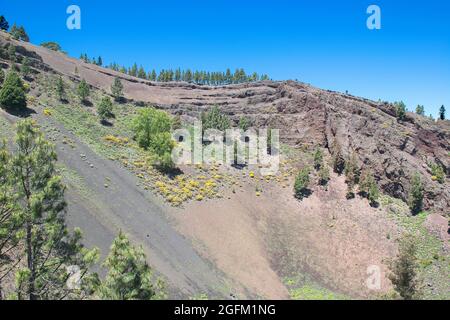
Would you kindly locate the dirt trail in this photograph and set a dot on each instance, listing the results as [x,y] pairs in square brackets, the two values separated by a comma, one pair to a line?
[101,211]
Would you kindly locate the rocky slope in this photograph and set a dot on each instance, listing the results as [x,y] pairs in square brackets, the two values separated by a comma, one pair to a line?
[393,149]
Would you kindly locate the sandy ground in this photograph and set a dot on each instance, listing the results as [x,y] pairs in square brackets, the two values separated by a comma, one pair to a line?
[258,240]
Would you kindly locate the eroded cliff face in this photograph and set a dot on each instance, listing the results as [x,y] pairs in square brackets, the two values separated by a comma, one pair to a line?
[306,116]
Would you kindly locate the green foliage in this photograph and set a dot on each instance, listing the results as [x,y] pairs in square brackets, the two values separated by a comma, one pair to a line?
[10,218]
[2,76]
[324,175]
[117,88]
[442,112]
[318,159]
[198,76]
[400,110]
[420,110]
[83,90]
[415,201]
[176,122]
[351,173]
[161,146]
[25,68]
[12,94]
[244,123]
[60,90]
[404,270]
[47,248]
[214,119]
[152,131]
[19,33]
[51,45]
[12,52]
[301,183]
[105,109]
[373,194]
[368,187]
[141,73]
[338,160]
[4,25]
[149,123]
[438,172]
[129,276]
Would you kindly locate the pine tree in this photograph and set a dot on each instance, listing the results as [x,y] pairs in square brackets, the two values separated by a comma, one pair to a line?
[214,119]
[244,123]
[25,68]
[133,71]
[19,33]
[12,53]
[15,32]
[420,110]
[368,187]
[83,90]
[10,217]
[373,194]
[129,276]
[404,270]
[400,110]
[23,35]
[141,73]
[4,25]
[60,90]
[100,61]
[416,194]
[318,159]
[117,89]
[338,158]
[442,112]
[324,175]
[301,183]
[351,174]
[12,93]
[105,109]
[48,248]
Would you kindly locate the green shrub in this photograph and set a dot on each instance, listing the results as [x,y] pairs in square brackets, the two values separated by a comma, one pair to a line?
[400,110]
[105,109]
[214,119]
[301,183]
[25,68]
[148,123]
[368,187]
[117,88]
[415,200]
[438,172]
[51,45]
[404,269]
[244,123]
[83,90]
[12,94]
[152,132]
[324,175]
[318,159]
[60,90]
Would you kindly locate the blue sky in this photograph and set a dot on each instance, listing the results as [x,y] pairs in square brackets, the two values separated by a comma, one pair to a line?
[325,43]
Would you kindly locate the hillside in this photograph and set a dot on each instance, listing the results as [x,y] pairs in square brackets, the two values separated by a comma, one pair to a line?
[249,237]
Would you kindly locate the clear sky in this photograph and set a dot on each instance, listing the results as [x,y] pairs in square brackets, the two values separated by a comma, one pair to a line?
[325,43]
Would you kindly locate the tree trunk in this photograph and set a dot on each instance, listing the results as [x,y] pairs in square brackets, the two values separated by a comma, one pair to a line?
[31,289]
